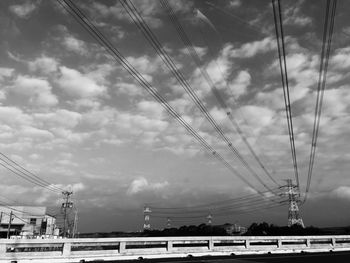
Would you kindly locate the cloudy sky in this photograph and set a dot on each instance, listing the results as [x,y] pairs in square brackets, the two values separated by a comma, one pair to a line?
[76,118]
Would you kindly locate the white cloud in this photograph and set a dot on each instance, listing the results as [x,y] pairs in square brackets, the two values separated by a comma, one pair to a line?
[58,118]
[292,15]
[75,45]
[239,85]
[234,3]
[43,64]
[201,51]
[136,123]
[251,49]
[37,90]
[24,10]
[341,59]
[256,116]
[78,85]
[14,116]
[146,64]
[151,109]
[98,118]
[5,73]
[342,192]
[33,132]
[129,89]
[141,184]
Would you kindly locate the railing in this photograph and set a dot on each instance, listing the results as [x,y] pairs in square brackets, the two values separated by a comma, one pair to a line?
[78,250]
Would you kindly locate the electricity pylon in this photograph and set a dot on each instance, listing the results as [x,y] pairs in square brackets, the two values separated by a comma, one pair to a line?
[294,217]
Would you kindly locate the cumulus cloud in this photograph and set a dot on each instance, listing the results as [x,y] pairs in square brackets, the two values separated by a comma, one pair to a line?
[256,116]
[14,116]
[234,3]
[24,10]
[58,118]
[73,44]
[36,133]
[341,59]
[43,64]
[240,84]
[39,91]
[5,73]
[150,108]
[251,49]
[342,192]
[141,185]
[78,85]
[293,15]
[129,89]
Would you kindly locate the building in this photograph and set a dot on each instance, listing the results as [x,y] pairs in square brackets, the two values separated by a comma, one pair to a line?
[234,229]
[26,221]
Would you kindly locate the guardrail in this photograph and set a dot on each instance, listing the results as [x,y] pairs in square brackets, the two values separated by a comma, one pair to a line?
[79,250]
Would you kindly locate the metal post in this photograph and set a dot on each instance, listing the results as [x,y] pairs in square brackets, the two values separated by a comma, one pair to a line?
[65,205]
[9,226]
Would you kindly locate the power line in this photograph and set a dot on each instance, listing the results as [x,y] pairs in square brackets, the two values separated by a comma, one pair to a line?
[250,209]
[285,85]
[22,172]
[191,50]
[152,39]
[115,54]
[326,47]
[222,209]
[215,204]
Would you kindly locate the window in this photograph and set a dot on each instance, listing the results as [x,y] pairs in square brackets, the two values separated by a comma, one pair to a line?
[33,221]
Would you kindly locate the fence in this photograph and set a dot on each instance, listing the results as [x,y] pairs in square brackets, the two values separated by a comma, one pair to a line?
[78,250]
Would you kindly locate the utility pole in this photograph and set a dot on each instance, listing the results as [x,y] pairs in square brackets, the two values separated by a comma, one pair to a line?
[75,225]
[146,214]
[9,225]
[67,204]
[294,217]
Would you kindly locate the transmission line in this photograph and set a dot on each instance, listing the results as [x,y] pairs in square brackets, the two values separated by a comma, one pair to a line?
[116,55]
[196,58]
[25,174]
[213,204]
[326,47]
[144,28]
[285,85]
[250,209]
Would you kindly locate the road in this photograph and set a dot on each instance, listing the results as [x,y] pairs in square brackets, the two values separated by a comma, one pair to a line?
[339,257]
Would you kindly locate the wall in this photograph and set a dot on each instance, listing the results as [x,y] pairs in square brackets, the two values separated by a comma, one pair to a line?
[74,250]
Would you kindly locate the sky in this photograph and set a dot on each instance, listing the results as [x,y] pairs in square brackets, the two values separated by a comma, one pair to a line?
[73,116]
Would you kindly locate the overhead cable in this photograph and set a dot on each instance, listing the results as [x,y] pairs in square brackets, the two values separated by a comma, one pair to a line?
[285,84]
[115,54]
[322,77]
[196,58]
[152,39]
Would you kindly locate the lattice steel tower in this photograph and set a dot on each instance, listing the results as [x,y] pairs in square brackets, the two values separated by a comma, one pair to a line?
[294,217]
[146,215]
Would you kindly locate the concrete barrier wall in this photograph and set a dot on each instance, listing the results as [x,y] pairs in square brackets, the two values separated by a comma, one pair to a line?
[76,250]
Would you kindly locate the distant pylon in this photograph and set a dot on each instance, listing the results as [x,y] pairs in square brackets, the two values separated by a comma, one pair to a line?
[146,213]
[210,219]
[168,222]
[294,217]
